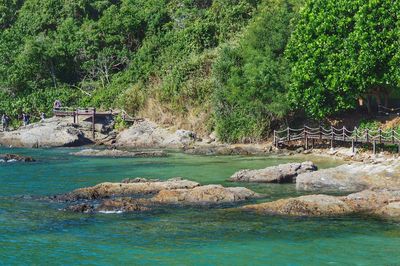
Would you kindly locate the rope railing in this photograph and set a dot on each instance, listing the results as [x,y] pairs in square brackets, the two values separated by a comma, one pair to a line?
[341,135]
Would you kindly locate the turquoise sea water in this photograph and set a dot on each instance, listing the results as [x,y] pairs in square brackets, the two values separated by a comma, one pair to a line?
[37,233]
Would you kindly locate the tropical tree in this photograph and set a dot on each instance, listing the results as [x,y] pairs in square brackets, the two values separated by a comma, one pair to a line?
[342,51]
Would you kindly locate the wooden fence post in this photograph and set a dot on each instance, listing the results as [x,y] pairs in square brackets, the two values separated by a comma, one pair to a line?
[274,141]
[320,133]
[374,146]
[77,115]
[355,131]
[288,134]
[74,113]
[352,145]
[380,135]
[333,137]
[93,123]
[344,133]
[392,136]
[366,135]
[305,136]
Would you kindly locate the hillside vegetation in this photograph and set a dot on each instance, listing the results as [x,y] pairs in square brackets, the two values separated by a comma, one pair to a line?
[240,67]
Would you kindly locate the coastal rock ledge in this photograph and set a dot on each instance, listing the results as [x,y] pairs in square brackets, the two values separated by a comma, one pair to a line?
[142,187]
[384,203]
[140,194]
[283,173]
[311,205]
[351,177]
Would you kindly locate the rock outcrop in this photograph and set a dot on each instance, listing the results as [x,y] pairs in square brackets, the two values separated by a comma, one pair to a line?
[119,153]
[15,158]
[140,194]
[384,203]
[146,134]
[205,195]
[350,177]
[50,133]
[311,205]
[284,173]
[107,190]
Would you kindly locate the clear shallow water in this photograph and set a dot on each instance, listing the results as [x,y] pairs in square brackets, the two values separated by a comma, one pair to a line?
[35,232]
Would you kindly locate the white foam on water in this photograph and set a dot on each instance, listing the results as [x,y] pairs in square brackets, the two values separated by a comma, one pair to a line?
[111,212]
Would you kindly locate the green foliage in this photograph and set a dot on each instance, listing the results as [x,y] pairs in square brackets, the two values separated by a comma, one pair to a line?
[120,124]
[133,99]
[37,102]
[368,124]
[252,75]
[106,47]
[342,50]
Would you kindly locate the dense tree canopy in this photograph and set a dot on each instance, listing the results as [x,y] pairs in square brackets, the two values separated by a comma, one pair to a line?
[235,66]
[342,50]
[252,75]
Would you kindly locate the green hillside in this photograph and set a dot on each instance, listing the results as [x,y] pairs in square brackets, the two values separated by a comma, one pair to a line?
[205,65]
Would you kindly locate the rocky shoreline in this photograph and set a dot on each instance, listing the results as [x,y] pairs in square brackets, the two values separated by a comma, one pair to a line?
[368,180]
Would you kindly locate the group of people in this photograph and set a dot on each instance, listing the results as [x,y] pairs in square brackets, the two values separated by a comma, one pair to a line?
[25,117]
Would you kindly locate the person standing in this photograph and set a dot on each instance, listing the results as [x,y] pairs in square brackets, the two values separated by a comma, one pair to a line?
[4,122]
[57,105]
[42,117]
[25,119]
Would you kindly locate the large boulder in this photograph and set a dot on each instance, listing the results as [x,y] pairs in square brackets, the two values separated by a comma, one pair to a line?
[284,173]
[119,153]
[50,133]
[107,190]
[205,194]
[148,134]
[311,205]
[350,177]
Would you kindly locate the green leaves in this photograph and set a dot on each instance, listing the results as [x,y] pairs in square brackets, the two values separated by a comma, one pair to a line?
[342,50]
[252,76]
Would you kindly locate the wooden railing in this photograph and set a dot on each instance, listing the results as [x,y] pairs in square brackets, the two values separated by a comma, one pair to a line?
[337,135]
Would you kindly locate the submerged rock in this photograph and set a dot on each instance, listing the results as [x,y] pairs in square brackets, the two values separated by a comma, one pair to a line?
[106,190]
[284,173]
[350,177]
[121,205]
[311,205]
[16,158]
[142,179]
[205,195]
[82,207]
[119,153]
